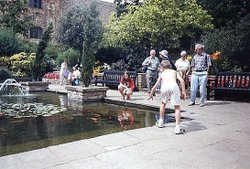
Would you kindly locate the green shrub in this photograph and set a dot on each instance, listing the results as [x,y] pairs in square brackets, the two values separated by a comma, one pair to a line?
[72,55]
[8,42]
[21,64]
[4,73]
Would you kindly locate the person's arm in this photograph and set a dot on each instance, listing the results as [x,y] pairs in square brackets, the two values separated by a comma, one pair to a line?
[146,62]
[188,70]
[131,84]
[209,63]
[121,83]
[183,91]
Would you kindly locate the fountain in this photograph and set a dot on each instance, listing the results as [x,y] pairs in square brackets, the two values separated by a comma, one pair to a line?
[16,107]
[11,87]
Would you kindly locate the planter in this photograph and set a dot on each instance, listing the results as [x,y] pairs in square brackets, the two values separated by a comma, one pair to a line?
[82,94]
[35,86]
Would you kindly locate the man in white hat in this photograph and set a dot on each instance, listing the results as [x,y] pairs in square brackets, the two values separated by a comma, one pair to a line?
[164,56]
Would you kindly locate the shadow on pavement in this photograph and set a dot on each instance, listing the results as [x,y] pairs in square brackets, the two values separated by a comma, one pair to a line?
[194,126]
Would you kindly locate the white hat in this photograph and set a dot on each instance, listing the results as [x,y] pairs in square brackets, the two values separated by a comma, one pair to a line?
[164,53]
[183,53]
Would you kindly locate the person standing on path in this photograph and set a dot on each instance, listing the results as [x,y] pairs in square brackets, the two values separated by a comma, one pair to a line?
[183,67]
[200,65]
[64,72]
[170,90]
[152,63]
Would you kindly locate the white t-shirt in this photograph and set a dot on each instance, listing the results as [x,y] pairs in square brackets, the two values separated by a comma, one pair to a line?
[182,64]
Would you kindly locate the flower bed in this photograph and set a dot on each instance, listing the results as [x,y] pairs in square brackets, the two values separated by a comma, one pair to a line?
[52,77]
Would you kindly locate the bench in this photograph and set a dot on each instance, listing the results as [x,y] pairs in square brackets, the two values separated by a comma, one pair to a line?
[112,78]
[231,86]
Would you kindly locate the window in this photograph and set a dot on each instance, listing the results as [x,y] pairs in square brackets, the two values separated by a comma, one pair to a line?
[36,32]
[35,3]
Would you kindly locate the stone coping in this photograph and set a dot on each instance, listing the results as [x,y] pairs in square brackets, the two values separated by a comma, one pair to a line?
[85,89]
[35,83]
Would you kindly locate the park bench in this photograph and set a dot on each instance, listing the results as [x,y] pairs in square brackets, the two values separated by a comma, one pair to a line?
[230,86]
[112,78]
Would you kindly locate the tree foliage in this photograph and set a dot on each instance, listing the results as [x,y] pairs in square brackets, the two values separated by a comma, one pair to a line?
[158,23]
[41,52]
[70,29]
[8,42]
[92,33]
[15,15]
[234,45]
[227,11]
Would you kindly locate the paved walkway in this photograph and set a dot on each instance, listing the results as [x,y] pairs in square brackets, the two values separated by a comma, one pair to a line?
[218,136]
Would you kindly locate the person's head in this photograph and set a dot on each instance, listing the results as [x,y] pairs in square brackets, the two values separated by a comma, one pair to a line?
[166,64]
[152,53]
[65,60]
[126,75]
[199,48]
[183,54]
[164,54]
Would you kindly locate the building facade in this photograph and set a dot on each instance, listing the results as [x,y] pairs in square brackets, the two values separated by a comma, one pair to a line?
[50,11]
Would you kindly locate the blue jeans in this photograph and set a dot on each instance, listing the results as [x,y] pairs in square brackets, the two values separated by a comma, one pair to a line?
[198,80]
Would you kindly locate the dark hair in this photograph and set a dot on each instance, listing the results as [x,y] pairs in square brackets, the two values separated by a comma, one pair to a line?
[126,72]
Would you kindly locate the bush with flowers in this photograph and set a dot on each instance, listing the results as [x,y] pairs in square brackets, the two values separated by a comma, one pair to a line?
[215,58]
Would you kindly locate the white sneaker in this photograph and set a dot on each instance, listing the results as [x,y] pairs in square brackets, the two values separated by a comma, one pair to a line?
[179,130]
[160,123]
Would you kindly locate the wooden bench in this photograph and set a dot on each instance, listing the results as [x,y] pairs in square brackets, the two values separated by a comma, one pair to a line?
[231,86]
[112,78]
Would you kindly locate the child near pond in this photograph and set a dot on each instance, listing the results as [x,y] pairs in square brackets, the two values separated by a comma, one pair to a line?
[126,86]
[170,90]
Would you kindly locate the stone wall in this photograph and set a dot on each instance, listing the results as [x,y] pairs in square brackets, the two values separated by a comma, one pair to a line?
[52,10]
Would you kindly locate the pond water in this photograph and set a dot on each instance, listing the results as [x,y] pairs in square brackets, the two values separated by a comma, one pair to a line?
[79,121]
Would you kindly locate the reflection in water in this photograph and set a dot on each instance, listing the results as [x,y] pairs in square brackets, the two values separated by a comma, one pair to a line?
[126,118]
[81,121]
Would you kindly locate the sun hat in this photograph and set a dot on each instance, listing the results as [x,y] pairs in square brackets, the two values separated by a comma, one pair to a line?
[183,53]
[164,53]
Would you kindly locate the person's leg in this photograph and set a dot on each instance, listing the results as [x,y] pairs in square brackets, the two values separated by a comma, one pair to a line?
[129,93]
[162,112]
[203,84]
[148,76]
[194,86]
[177,115]
[121,89]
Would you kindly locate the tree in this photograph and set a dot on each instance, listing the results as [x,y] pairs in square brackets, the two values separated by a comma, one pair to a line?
[92,33]
[158,23]
[8,42]
[234,45]
[15,15]
[227,11]
[70,30]
[36,67]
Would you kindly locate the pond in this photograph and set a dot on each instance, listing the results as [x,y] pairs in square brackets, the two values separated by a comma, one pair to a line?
[76,122]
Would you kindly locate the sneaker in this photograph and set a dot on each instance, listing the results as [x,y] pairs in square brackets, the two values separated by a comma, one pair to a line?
[191,104]
[202,104]
[179,130]
[160,123]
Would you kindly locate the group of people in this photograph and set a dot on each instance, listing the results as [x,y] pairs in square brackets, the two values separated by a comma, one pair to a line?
[164,76]
[66,76]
